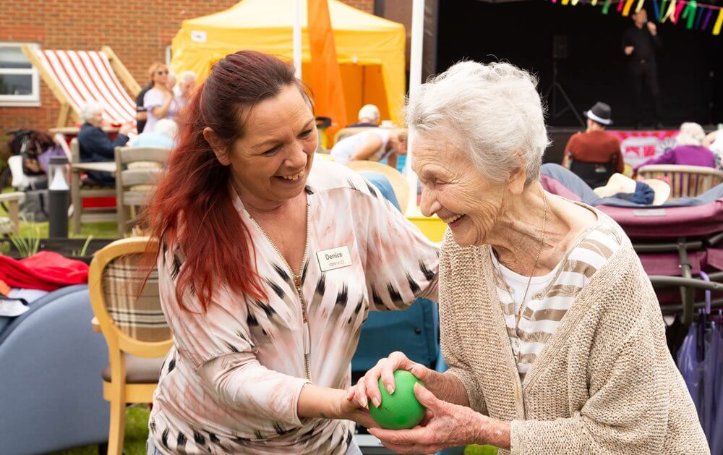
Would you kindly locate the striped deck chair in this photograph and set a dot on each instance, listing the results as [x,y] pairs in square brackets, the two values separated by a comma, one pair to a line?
[133,325]
[77,77]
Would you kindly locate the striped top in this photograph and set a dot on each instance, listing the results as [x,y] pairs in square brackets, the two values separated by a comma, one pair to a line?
[550,295]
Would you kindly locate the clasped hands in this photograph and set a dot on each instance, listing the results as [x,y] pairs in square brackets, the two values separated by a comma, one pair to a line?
[444,425]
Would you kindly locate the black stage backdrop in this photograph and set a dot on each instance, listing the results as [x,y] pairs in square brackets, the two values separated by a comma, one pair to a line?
[592,67]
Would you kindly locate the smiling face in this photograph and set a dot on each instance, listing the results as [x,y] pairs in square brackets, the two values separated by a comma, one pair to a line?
[271,162]
[455,190]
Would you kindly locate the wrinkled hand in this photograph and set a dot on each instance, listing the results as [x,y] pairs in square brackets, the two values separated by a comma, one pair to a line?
[629,50]
[445,425]
[367,388]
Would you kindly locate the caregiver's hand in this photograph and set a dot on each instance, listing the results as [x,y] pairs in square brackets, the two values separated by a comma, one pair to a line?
[367,388]
[445,425]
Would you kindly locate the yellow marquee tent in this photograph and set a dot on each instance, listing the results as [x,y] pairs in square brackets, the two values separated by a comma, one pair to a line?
[370,50]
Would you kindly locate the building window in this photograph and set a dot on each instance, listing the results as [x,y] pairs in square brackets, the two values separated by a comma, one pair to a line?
[19,83]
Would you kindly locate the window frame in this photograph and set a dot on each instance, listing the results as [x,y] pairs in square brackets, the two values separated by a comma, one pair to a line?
[31,100]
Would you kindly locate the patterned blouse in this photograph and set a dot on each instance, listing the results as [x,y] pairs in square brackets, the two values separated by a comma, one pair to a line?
[232,381]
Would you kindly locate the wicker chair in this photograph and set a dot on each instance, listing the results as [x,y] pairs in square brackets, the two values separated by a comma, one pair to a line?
[685,181]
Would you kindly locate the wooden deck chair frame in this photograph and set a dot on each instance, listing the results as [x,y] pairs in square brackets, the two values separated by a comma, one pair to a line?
[684,181]
[69,111]
[117,391]
[78,192]
[135,185]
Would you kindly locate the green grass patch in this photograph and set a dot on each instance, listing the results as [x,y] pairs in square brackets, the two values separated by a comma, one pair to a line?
[135,438]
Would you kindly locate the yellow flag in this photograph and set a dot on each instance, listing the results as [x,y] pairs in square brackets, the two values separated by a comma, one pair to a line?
[628,5]
[718,22]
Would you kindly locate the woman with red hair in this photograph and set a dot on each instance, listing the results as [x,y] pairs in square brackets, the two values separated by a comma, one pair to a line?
[267,270]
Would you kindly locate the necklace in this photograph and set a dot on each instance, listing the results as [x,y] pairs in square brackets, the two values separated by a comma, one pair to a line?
[523,304]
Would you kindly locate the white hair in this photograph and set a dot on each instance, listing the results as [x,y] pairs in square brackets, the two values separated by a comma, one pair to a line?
[369,111]
[187,76]
[89,109]
[166,127]
[690,134]
[493,108]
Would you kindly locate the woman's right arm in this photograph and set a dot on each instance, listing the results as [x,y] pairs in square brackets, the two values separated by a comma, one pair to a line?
[368,148]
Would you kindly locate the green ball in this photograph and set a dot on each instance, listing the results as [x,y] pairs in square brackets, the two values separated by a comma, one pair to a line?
[400,410]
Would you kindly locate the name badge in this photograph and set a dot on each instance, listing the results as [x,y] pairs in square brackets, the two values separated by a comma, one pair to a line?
[335,258]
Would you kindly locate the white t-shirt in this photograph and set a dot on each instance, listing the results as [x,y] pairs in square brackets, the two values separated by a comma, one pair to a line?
[347,147]
[154,98]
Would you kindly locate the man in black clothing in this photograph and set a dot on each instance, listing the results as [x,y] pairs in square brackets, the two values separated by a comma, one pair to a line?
[640,42]
[141,111]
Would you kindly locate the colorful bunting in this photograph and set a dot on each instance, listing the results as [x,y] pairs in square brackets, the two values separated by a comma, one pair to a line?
[694,15]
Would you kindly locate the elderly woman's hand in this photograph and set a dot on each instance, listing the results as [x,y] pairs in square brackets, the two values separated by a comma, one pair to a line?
[367,388]
[445,425]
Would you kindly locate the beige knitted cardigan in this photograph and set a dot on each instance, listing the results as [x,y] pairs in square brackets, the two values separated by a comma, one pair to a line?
[605,383]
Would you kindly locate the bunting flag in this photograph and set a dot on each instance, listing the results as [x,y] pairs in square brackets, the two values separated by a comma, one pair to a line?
[325,73]
[718,23]
[694,15]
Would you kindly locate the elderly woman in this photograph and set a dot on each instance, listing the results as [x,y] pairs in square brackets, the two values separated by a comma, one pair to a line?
[689,149]
[268,269]
[94,143]
[551,329]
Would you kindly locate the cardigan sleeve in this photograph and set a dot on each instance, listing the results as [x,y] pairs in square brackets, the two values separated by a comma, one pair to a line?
[449,335]
[627,411]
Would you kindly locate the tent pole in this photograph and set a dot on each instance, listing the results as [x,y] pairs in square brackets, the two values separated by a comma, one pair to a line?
[297,37]
[415,80]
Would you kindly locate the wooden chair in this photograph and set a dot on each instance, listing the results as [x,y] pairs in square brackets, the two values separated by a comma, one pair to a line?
[79,191]
[685,181]
[137,171]
[133,325]
[10,224]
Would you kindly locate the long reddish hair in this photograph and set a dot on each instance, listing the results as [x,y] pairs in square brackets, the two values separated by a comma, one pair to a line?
[192,207]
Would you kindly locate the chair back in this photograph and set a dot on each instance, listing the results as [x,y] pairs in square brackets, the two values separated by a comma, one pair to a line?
[74,151]
[137,172]
[684,181]
[594,174]
[123,284]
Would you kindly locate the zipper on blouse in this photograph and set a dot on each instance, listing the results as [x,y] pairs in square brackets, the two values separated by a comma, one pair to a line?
[297,288]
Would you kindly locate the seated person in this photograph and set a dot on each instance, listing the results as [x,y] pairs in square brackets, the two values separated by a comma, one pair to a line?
[374,145]
[163,135]
[368,116]
[184,88]
[714,141]
[688,151]
[595,154]
[94,143]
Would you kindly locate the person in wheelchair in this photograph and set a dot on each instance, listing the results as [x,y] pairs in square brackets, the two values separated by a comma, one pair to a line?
[594,155]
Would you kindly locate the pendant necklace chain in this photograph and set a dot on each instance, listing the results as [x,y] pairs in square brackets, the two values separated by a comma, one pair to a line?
[523,304]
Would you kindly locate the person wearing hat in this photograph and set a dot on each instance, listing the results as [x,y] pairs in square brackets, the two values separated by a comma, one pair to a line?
[594,155]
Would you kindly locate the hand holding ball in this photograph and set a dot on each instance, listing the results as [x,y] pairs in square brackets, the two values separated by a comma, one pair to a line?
[400,410]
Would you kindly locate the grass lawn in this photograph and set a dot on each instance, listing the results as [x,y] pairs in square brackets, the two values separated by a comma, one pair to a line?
[135,438]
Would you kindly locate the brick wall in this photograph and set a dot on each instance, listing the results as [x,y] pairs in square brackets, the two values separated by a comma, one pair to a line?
[138,31]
